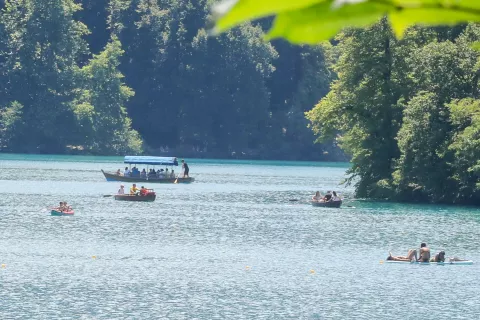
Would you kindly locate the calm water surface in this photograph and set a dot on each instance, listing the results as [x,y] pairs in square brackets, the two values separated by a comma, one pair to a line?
[229,246]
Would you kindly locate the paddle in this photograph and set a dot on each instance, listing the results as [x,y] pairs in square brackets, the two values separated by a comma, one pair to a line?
[176,180]
[108,195]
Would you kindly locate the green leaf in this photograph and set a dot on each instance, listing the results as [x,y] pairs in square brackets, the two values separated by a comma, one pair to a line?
[446,4]
[323,21]
[402,19]
[234,12]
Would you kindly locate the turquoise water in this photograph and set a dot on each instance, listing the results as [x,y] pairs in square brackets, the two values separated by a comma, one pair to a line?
[229,246]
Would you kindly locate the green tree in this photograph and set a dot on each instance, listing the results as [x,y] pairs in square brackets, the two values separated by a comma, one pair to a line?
[465,117]
[43,45]
[100,106]
[360,111]
[10,121]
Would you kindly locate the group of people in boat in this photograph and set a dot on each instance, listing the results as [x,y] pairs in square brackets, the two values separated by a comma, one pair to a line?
[134,190]
[422,255]
[63,207]
[329,196]
[159,174]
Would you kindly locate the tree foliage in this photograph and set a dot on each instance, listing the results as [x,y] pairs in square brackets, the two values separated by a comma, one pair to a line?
[311,21]
[406,111]
[195,95]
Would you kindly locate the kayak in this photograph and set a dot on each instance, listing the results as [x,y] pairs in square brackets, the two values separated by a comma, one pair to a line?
[62,213]
[464,262]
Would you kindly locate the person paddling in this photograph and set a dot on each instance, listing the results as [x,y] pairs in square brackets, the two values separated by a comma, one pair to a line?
[134,189]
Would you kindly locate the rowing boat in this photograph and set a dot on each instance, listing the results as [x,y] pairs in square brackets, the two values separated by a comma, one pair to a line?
[328,204]
[149,197]
[463,262]
[62,213]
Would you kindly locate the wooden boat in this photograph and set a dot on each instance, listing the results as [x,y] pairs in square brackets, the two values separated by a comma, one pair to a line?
[153,161]
[56,212]
[329,204]
[149,197]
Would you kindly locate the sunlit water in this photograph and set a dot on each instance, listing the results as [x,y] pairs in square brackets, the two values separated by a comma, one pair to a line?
[228,246]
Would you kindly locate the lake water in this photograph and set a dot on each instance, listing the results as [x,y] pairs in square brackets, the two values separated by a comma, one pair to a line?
[228,246]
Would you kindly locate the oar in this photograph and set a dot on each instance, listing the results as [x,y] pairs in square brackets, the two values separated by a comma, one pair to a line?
[108,195]
[176,180]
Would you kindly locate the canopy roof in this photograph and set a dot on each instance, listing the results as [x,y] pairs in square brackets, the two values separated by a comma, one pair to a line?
[167,161]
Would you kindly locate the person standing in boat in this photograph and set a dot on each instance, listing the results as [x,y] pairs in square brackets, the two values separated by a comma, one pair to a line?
[121,190]
[185,168]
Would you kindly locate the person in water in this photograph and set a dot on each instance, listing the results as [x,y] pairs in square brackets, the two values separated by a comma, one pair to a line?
[121,190]
[317,197]
[134,189]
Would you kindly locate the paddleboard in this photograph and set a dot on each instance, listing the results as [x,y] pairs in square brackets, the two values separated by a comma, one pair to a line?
[464,263]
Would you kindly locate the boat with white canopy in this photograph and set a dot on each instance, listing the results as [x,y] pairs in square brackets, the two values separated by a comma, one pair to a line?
[133,174]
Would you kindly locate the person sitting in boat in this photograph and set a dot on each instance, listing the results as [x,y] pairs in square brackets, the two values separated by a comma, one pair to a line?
[66,206]
[143,174]
[121,190]
[119,173]
[152,173]
[439,257]
[335,197]
[172,174]
[135,172]
[317,197]
[167,174]
[126,173]
[61,207]
[328,196]
[134,189]
[161,175]
[143,191]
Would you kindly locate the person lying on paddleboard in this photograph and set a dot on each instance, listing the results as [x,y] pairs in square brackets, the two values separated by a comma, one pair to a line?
[412,255]
[439,257]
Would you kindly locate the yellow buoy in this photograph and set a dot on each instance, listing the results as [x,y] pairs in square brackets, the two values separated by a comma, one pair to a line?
[381,261]
[4,265]
[312,271]
[247,268]
[94,257]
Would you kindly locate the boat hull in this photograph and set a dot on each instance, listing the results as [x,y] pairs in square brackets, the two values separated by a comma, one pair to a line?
[129,197]
[330,204]
[115,177]
[61,213]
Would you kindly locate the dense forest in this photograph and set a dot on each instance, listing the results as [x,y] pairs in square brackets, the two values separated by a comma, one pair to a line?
[132,76]
[407,110]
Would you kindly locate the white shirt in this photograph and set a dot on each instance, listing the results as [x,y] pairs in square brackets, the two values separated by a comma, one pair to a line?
[121,191]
